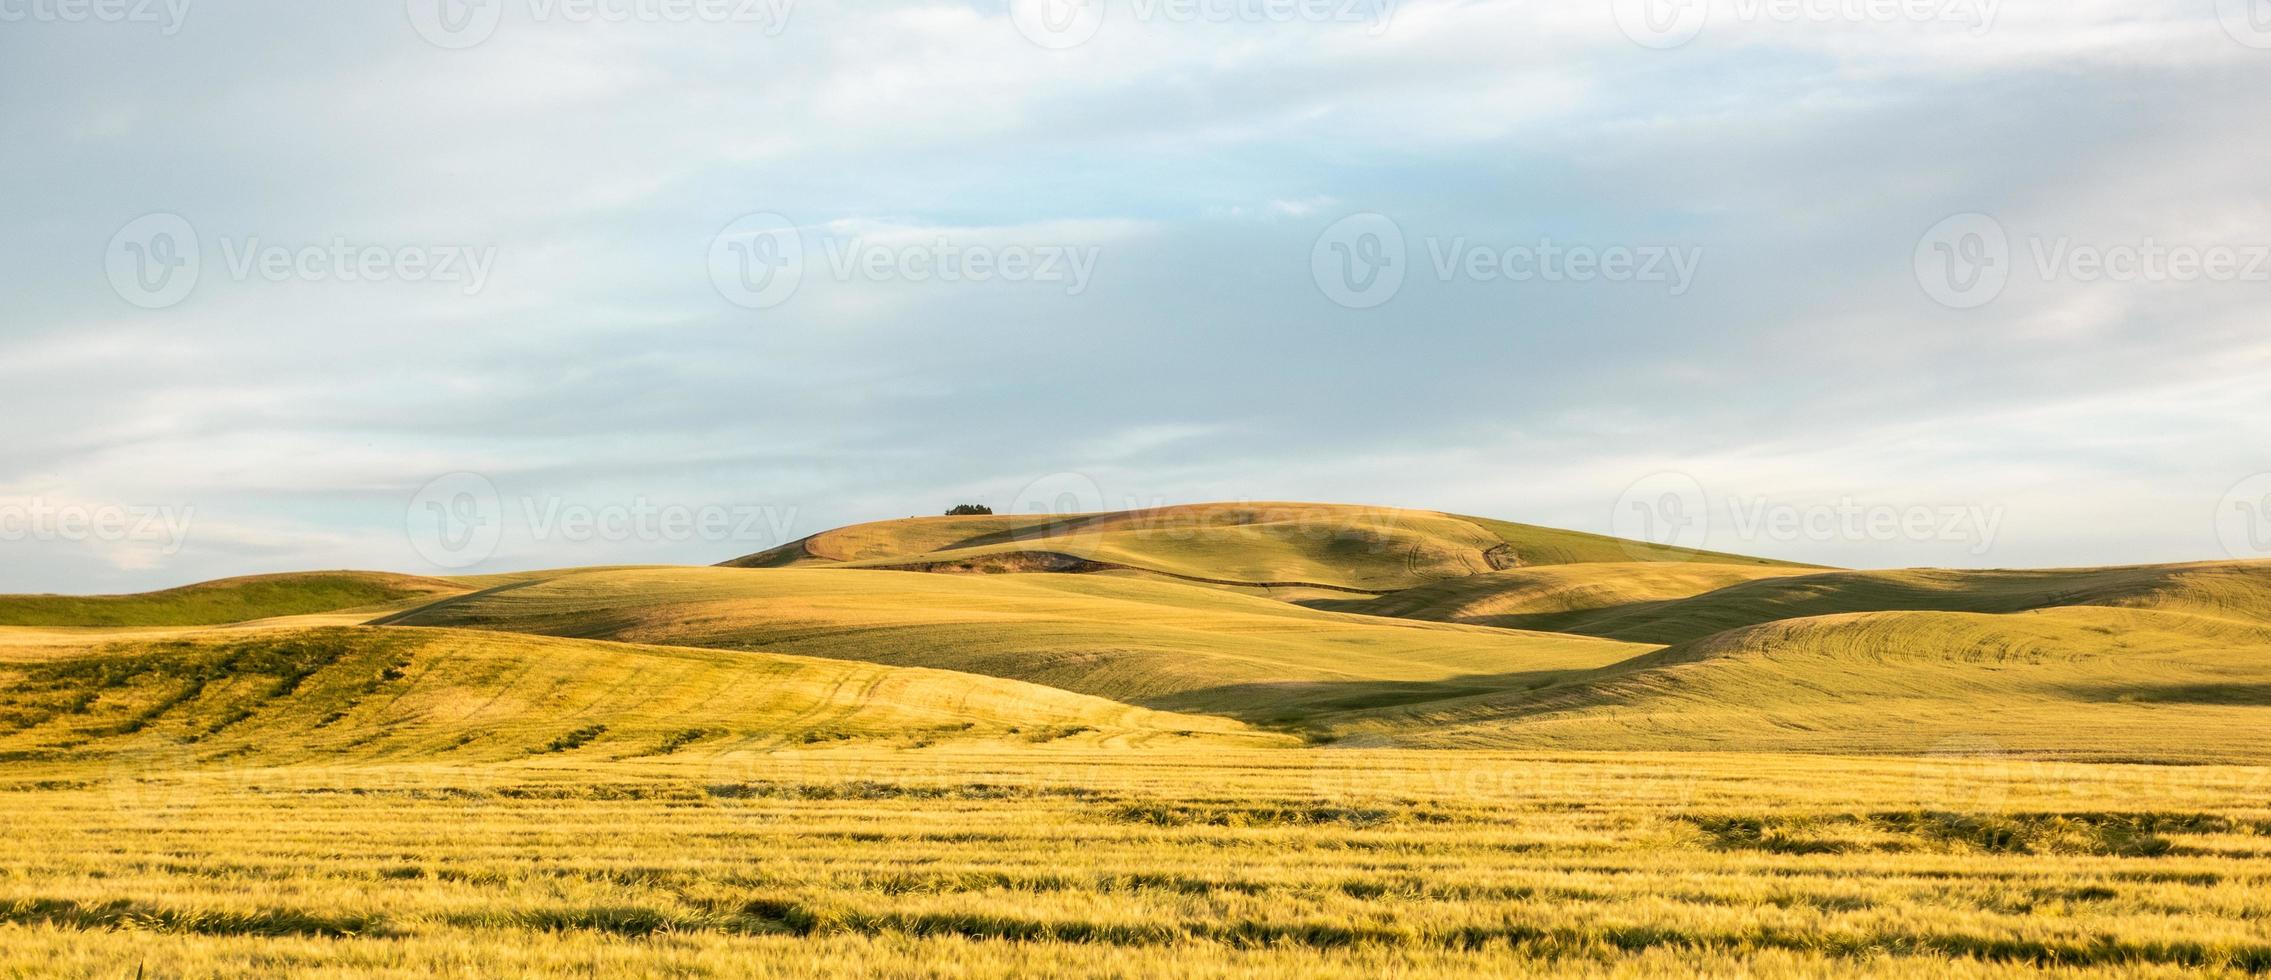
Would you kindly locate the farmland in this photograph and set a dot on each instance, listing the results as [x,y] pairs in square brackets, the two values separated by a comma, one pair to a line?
[1531,753]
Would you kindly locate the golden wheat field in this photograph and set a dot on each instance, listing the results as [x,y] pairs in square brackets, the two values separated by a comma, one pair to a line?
[1248,741]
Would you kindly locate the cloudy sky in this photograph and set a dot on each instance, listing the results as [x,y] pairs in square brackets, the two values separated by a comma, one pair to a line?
[490,284]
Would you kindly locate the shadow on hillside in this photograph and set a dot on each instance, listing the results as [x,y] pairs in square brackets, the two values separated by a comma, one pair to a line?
[1740,605]
[2243,694]
[1295,702]
[428,614]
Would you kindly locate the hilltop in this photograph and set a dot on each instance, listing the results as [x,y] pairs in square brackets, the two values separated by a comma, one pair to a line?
[1332,548]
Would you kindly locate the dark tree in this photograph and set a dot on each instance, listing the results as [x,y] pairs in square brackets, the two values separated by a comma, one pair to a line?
[965,510]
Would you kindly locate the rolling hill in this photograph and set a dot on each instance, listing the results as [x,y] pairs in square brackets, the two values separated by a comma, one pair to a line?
[1676,604]
[1162,644]
[2076,683]
[1366,625]
[406,695]
[233,600]
[1329,547]
[1552,597]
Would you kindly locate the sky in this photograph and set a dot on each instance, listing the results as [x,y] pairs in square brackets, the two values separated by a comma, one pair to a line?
[447,286]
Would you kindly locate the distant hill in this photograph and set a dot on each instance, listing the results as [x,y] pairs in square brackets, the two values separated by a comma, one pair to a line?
[233,600]
[1678,603]
[1333,624]
[1326,547]
[2077,683]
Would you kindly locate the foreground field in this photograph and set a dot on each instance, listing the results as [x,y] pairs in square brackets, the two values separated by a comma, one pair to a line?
[1017,859]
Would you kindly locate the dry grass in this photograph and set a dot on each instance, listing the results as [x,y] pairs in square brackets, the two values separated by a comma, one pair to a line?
[324,695]
[2102,683]
[996,861]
